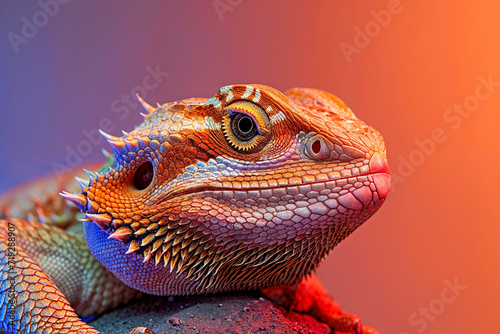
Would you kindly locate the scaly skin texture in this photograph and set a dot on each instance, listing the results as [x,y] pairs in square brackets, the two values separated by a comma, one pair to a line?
[247,190]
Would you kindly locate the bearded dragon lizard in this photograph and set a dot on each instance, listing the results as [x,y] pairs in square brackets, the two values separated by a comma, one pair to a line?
[247,190]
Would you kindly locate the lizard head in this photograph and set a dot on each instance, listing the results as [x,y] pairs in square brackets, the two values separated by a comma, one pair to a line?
[248,189]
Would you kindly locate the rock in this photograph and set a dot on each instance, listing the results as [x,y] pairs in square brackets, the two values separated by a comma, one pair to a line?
[222,313]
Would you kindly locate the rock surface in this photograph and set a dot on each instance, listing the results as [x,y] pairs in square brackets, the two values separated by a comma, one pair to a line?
[222,313]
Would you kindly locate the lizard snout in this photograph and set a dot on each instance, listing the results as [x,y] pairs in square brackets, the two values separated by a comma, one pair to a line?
[382,176]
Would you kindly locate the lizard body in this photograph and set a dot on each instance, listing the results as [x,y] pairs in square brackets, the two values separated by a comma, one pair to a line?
[247,190]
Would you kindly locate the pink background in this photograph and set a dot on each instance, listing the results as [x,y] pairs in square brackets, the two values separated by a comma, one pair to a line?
[440,223]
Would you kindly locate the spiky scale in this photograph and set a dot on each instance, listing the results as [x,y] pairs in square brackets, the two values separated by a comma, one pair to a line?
[140,231]
[209,271]
[121,234]
[84,184]
[117,143]
[166,246]
[131,143]
[147,254]
[173,262]
[184,268]
[161,231]
[92,206]
[183,229]
[185,243]
[210,243]
[103,220]
[180,265]
[191,271]
[152,227]
[92,176]
[158,258]
[118,147]
[134,245]
[147,240]
[79,200]
[178,239]
[170,235]
[207,260]
[175,249]
[106,154]
[150,109]
[212,250]
[126,134]
[183,253]
[166,258]
[109,137]
[193,245]
[190,233]
[157,244]
[190,259]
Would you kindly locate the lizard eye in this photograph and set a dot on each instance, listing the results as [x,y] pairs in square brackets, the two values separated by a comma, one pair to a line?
[144,176]
[246,126]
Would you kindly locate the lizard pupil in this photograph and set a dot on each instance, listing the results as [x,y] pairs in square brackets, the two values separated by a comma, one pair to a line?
[243,127]
[144,176]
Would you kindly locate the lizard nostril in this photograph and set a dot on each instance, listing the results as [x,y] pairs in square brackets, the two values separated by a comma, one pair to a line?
[144,175]
[316,146]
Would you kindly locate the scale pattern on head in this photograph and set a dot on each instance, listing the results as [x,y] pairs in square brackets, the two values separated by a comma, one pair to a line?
[248,189]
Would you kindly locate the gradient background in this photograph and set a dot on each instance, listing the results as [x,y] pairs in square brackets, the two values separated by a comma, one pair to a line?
[441,223]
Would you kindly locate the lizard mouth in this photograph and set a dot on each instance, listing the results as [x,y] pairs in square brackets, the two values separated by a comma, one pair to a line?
[378,170]
[355,200]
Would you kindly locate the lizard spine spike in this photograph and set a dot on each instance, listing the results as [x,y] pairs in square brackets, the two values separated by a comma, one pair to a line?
[145,116]
[106,154]
[157,244]
[158,104]
[117,143]
[79,200]
[131,143]
[158,258]
[120,234]
[109,137]
[118,146]
[147,254]
[147,240]
[126,134]
[103,220]
[84,184]
[92,176]
[150,109]
[134,245]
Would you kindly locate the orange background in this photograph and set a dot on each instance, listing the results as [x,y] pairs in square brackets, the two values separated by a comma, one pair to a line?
[440,221]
